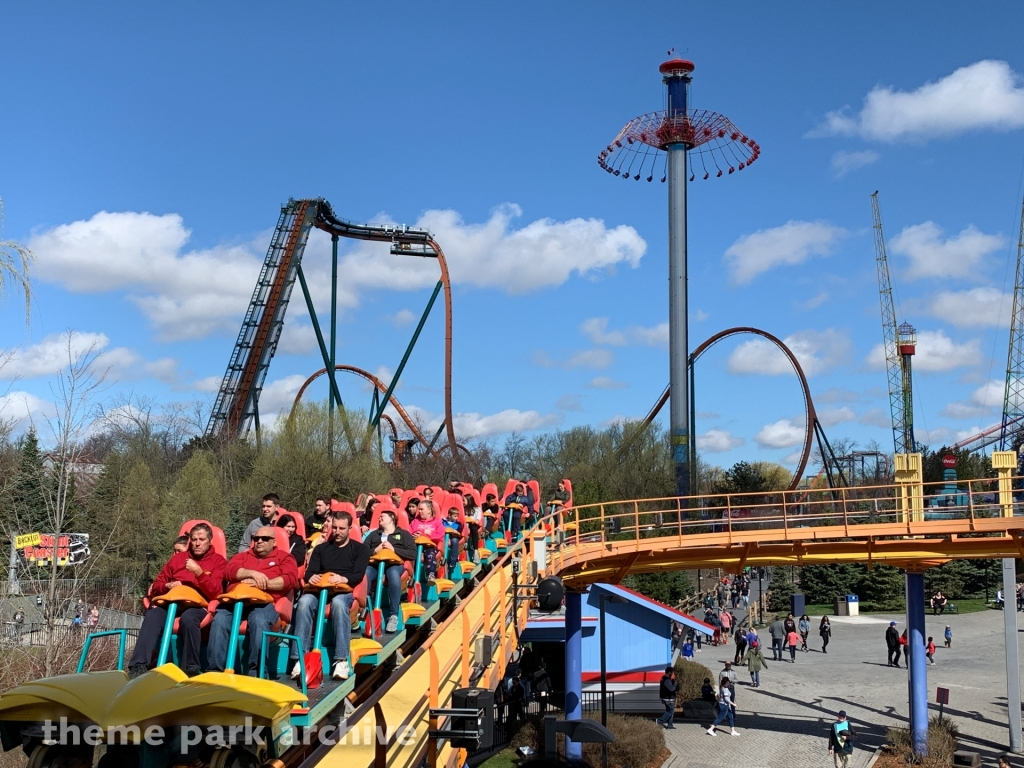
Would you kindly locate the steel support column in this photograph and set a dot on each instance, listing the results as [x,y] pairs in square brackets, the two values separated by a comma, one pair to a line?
[915,649]
[334,343]
[1012,655]
[678,341]
[573,667]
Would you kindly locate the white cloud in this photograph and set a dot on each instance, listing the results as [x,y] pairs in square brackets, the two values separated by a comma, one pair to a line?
[817,351]
[595,359]
[296,338]
[784,433]
[54,353]
[51,355]
[876,417]
[792,243]
[19,407]
[473,425]
[208,384]
[935,352]
[843,162]
[718,441]
[604,382]
[402,318]
[815,301]
[185,295]
[980,96]
[974,308]
[191,294]
[986,399]
[831,417]
[596,329]
[837,395]
[931,256]
[278,395]
[569,403]
[701,315]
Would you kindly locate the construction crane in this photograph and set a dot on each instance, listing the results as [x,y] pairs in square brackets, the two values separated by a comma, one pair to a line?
[900,345]
[1013,397]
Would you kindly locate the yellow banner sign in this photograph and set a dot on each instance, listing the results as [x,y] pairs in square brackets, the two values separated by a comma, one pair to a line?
[27,540]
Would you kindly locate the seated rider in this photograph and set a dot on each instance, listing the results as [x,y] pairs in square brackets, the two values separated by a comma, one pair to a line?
[388,536]
[490,506]
[296,544]
[315,522]
[181,544]
[475,520]
[518,496]
[561,498]
[427,524]
[453,527]
[200,568]
[267,568]
[340,561]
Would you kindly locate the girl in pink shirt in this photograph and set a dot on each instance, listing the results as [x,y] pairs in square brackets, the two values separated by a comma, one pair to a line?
[428,524]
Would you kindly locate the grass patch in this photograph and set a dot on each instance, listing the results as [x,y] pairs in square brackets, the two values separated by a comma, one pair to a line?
[507,758]
[973,605]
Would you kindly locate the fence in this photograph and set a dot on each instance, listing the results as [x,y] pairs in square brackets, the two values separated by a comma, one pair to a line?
[39,635]
[509,715]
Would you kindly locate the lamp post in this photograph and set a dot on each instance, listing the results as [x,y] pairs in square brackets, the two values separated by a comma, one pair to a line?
[616,600]
[760,594]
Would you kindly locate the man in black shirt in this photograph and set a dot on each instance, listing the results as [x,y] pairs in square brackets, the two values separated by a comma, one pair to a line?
[667,694]
[342,560]
[315,522]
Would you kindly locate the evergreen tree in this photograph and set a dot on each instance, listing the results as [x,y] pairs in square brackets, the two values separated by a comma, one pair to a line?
[196,494]
[238,520]
[882,589]
[28,494]
[824,583]
[667,587]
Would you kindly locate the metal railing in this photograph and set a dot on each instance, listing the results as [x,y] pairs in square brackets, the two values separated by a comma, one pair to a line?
[972,506]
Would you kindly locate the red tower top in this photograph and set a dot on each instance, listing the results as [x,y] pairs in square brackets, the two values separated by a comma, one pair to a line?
[676,66]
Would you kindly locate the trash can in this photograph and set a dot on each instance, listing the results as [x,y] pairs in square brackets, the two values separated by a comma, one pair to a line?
[842,607]
[797,604]
[853,605]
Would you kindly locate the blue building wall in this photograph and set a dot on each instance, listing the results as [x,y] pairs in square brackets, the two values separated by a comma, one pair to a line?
[637,638]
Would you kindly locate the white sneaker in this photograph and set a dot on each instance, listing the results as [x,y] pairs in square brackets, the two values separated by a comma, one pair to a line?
[711,731]
[341,670]
[734,732]
[297,671]
[392,626]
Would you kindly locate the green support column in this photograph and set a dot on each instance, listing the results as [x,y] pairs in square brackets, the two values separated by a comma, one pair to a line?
[334,342]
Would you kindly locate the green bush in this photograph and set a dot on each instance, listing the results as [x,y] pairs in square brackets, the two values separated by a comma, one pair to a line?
[689,678]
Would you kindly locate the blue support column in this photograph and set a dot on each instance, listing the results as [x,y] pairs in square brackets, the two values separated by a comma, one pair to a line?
[918,664]
[573,667]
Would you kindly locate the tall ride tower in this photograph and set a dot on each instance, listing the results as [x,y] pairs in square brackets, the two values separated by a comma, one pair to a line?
[660,143]
[906,340]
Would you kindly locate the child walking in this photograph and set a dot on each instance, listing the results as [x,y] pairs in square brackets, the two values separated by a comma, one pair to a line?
[930,651]
[948,634]
[794,640]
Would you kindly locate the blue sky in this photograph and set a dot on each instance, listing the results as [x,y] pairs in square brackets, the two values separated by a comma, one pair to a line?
[145,153]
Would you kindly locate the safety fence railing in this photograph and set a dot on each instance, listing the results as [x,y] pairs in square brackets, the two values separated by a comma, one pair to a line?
[508,716]
[398,713]
[749,516]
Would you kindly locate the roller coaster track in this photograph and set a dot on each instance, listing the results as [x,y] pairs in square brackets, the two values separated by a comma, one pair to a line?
[894,524]
[237,403]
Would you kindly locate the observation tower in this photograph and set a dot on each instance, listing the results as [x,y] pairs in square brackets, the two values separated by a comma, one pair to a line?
[657,145]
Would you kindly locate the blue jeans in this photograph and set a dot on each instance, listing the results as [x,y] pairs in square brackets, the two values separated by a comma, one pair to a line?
[755,678]
[305,613]
[393,581]
[260,619]
[724,713]
[670,711]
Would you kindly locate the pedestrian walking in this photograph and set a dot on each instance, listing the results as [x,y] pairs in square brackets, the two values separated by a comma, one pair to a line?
[741,645]
[793,639]
[755,663]
[948,636]
[777,630]
[825,631]
[726,620]
[726,711]
[906,649]
[745,594]
[728,677]
[804,628]
[667,694]
[840,741]
[892,643]
[930,650]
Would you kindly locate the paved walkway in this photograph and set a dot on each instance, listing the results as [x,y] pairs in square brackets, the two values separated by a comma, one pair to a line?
[784,723]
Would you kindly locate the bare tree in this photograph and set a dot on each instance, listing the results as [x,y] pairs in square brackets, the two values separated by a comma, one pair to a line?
[15,263]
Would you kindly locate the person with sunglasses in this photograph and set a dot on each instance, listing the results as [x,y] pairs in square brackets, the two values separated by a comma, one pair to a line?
[267,568]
